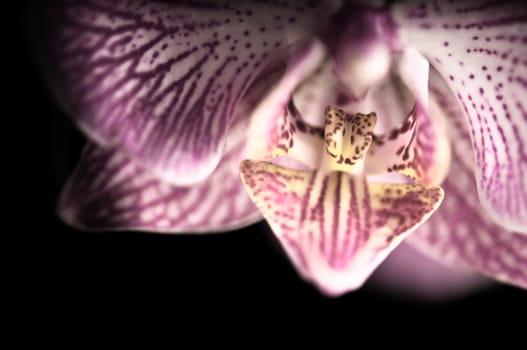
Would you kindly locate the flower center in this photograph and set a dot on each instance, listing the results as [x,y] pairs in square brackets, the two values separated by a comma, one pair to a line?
[347,138]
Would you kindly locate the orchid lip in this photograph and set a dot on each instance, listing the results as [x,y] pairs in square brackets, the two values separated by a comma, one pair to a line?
[336,226]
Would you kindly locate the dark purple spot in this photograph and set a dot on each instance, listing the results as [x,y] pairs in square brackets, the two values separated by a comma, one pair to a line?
[300,126]
[342,99]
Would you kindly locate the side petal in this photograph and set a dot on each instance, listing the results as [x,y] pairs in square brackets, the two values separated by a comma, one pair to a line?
[336,228]
[480,49]
[461,233]
[107,191]
[160,81]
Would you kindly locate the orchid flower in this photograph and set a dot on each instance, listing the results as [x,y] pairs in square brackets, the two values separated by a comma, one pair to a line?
[348,127]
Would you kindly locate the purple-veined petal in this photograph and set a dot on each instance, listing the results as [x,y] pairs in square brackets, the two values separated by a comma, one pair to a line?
[411,274]
[336,228]
[160,81]
[107,191]
[460,233]
[480,48]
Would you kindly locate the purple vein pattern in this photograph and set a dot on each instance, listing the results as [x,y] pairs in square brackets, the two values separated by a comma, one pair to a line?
[107,191]
[161,80]
[460,232]
[480,49]
[336,228]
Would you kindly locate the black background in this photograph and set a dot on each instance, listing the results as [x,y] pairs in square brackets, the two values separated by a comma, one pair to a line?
[80,285]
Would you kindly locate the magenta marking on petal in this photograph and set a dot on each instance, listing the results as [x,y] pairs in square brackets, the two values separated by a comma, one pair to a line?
[335,227]
[109,192]
[160,81]
[484,55]
[461,233]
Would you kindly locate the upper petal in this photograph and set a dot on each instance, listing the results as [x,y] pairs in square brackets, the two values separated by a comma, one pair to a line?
[479,48]
[160,81]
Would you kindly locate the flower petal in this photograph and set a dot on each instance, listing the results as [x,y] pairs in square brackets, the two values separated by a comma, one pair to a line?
[480,49]
[160,81]
[107,191]
[408,272]
[275,120]
[336,228]
[460,233]
[419,148]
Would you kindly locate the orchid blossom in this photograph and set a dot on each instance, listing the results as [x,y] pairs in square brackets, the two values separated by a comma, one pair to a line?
[348,127]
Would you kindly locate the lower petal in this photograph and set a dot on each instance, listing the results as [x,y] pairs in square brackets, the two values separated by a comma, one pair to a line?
[336,228]
[409,273]
[108,191]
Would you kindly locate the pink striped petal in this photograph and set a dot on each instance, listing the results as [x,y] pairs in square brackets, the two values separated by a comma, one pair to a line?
[336,228]
[461,233]
[160,81]
[480,49]
[107,191]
